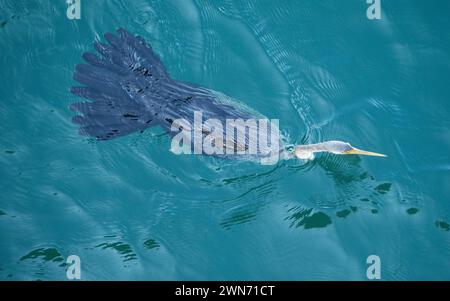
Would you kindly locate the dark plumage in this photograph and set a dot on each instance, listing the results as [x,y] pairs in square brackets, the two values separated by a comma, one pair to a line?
[130,90]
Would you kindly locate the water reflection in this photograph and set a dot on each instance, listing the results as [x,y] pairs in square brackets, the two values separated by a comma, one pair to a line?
[121,248]
[46,254]
[306,218]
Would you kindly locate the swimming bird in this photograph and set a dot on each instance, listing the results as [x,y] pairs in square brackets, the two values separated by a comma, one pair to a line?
[129,90]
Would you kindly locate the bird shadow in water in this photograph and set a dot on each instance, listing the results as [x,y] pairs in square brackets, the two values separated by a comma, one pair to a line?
[355,190]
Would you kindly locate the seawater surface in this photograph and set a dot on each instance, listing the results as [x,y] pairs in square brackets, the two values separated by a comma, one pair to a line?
[131,209]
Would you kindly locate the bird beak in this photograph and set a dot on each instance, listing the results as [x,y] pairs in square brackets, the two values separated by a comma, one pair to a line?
[355,151]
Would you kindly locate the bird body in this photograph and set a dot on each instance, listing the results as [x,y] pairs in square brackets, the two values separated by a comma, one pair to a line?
[129,90]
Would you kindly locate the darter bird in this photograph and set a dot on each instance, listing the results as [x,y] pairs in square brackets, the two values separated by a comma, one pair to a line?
[129,90]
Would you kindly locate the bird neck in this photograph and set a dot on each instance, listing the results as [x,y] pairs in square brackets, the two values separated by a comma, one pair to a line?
[313,148]
[306,152]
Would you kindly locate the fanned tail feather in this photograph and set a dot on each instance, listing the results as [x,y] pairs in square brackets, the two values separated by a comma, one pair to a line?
[115,82]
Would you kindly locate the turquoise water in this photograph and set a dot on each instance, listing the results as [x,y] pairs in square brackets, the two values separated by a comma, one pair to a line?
[130,209]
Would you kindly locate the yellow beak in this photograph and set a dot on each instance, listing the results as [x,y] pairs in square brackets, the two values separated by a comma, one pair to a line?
[355,151]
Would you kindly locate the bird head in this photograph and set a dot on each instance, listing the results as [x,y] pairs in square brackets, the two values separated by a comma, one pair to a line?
[334,147]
